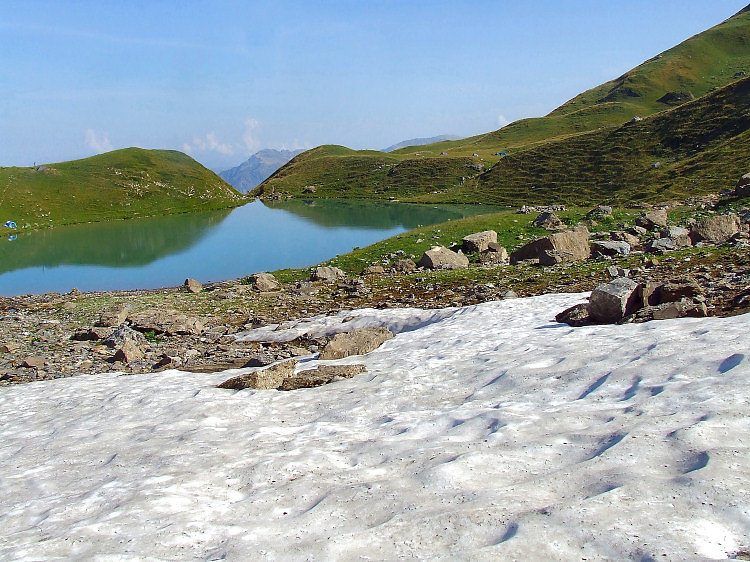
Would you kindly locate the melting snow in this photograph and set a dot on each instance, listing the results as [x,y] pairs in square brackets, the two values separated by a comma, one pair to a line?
[487,432]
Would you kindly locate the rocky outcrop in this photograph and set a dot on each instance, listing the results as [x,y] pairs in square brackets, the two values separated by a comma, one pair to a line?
[440,257]
[356,342]
[571,245]
[479,241]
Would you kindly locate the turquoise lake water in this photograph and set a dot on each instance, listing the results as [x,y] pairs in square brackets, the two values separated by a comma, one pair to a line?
[212,246]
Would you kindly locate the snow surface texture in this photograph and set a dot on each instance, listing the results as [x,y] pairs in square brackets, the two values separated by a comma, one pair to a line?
[488,433]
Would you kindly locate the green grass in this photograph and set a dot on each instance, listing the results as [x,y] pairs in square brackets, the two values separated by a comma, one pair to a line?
[699,66]
[125,183]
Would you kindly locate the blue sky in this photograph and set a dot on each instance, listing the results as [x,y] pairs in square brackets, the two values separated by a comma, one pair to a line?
[221,80]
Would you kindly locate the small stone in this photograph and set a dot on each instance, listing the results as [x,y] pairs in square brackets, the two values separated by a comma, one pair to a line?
[577,315]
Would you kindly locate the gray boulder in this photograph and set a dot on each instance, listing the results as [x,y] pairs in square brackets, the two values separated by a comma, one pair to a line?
[610,248]
[680,236]
[611,302]
[327,273]
[599,211]
[652,220]
[622,236]
[660,245]
[571,245]
[356,342]
[124,334]
[262,379]
[715,229]
[548,221]
[479,241]
[577,315]
[440,257]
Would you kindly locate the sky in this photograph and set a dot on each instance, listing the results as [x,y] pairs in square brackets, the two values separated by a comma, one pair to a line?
[221,80]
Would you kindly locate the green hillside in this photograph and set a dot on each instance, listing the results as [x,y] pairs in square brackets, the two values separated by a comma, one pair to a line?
[126,183]
[449,172]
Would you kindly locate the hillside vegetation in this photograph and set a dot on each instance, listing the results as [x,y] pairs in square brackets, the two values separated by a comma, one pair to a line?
[681,85]
[126,183]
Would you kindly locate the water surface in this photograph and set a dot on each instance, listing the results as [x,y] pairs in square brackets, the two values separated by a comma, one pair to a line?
[210,246]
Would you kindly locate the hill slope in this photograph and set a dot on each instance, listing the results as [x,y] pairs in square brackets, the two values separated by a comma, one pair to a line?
[253,171]
[421,142]
[120,184]
[449,171]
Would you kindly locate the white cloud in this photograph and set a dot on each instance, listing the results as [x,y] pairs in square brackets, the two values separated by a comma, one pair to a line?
[251,143]
[98,141]
[210,143]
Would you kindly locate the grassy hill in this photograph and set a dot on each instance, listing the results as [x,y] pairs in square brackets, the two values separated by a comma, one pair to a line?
[126,183]
[449,172]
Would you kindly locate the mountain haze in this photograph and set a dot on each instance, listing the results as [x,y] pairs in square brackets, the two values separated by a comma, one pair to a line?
[672,84]
[256,169]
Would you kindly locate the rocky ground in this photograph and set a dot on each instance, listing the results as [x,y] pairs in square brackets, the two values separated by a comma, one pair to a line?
[57,335]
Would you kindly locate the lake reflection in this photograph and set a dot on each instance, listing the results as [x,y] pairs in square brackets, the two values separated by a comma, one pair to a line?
[211,246]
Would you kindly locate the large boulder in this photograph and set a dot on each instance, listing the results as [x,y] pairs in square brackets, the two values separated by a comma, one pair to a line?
[440,257]
[599,211]
[193,286]
[404,265]
[653,220]
[356,342]
[479,241]
[327,273]
[125,334]
[262,379]
[494,254]
[571,245]
[680,236]
[611,302]
[678,289]
[263,282]
[742,189]
[716,229]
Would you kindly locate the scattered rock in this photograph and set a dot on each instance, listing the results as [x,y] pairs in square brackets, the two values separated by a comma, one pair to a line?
[715,229]
[670,310]
[622,236]
[34,362]
[9,347]
[263,282]
[373,270]
[548,221]
[652,220]
[128,352]
[93,334]
[193,286]
[404,265]
[323,374]
[327,273]
[479,241]
[124,334]
[440,257]
[113,316]
[660,245]
[356,342]
[610,248]
[262,379]
[599,211]
[571,245]
[611,302]
[494,254]
[577,315]
[169,322]
[742,189]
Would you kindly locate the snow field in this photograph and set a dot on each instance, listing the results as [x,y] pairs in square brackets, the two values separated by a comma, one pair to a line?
[480,433]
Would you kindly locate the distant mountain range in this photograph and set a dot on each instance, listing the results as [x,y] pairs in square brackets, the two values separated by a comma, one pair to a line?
[421,141]
[256,169]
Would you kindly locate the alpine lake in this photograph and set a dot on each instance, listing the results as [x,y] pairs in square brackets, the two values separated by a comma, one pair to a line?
[210,246]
